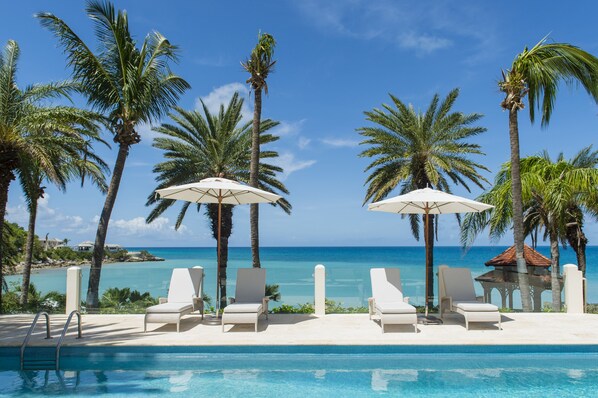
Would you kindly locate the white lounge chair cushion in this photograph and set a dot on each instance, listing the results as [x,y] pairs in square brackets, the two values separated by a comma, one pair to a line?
[395,307]
[237,308]
[169,308]
[475,306]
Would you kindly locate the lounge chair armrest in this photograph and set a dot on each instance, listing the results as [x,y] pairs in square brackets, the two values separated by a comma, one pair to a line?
[265,302]
[162,300]
[480,299]
[371,306]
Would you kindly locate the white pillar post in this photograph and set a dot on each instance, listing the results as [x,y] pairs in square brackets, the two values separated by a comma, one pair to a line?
[574,289]
[73,289]
[320,290]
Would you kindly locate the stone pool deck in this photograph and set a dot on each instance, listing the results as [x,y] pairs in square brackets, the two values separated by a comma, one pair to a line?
[334,329]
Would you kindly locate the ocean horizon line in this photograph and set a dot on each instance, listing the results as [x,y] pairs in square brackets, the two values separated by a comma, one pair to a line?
[334,246]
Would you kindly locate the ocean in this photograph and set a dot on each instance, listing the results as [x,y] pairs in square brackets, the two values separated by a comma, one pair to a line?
[347,270]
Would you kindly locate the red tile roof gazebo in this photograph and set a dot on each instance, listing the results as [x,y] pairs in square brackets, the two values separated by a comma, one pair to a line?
[508,259]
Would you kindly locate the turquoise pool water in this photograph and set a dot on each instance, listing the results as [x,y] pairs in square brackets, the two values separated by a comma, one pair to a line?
[534,371]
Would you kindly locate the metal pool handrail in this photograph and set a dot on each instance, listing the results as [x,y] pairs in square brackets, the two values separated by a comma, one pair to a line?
[30,331]
[66,327]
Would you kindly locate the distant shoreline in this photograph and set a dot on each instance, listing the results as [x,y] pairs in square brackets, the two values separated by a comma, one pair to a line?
[57,264]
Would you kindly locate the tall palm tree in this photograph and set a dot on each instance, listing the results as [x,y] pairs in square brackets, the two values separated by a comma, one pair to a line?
[416,150]
[72,160]
[201,146]
[259,65]
[130,85]
[550,190]
[30,129]
[537,73]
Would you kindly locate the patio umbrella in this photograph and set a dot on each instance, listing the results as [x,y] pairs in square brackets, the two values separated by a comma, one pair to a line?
[428,201]
[222,191]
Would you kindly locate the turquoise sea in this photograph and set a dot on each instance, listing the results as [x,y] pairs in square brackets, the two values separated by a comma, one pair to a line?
[347,270]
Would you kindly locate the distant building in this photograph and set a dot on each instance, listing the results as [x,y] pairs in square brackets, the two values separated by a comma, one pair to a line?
[86,246]
[53,243]
[111,247]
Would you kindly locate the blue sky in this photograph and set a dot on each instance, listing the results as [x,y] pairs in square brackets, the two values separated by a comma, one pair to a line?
[335,60]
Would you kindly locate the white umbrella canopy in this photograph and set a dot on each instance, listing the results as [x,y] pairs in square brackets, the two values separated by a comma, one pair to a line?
[217,190]
[428,201]
[222,191]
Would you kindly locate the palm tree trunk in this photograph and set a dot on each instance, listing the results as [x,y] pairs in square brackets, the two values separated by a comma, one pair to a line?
[254,177]
[554,271]
[29,249]
[578,241]
[98,248]
[430,262]
[6,176]
[223,268]
[526,300]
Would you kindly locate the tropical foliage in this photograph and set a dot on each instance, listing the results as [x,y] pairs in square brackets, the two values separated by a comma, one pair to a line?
[201,145]
[32,132]
[554,193]
[537,73]
[414,150]
[259,65]
[51,302]
[72,160]
[130,85]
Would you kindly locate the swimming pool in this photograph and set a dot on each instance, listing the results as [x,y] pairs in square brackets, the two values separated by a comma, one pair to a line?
[311,371]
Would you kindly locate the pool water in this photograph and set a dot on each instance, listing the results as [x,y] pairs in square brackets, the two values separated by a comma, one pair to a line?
[314,372]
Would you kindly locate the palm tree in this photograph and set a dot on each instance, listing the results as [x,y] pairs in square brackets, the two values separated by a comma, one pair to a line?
[586,158]
[259,65]
[550,190]
[201,146]
[74,159]
[417,150]
[130,85]
[537,73]
[30,129]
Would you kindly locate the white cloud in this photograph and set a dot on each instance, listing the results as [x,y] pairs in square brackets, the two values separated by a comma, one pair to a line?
[288,128]
[222,95]
[424,28]
[60,225]
[138,226]
[423,44]
[340,142]
[290,165]
[303,142]
[146,133]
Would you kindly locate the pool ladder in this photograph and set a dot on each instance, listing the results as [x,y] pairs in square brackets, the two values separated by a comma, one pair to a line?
[45,362]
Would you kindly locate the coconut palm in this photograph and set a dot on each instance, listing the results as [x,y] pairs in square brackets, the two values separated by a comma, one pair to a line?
[131,85]
[205,145]
[416,150]
[74,159]
[259,65]
[537,73]
[550,190]
[30,129]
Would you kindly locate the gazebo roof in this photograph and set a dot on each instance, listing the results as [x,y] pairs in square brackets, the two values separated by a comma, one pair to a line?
[507,258]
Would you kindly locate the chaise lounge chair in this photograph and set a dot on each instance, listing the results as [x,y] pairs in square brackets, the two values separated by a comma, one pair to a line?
[387,299]
[249,301]
[456,293]
[184,296]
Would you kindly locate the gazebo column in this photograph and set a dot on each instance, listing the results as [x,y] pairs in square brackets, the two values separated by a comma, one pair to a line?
[537,297]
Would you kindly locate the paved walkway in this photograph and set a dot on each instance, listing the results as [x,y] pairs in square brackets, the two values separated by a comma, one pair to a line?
[336,329]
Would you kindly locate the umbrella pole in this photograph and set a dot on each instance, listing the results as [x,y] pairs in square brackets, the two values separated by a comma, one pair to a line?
[218,255]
